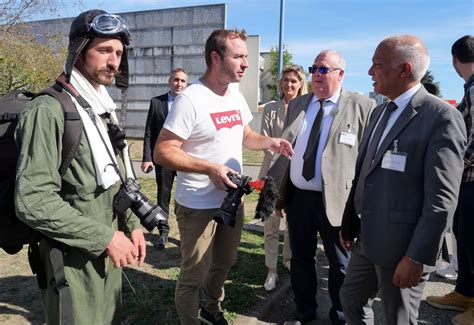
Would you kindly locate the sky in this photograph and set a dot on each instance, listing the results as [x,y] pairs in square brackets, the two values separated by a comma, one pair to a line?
[352,27]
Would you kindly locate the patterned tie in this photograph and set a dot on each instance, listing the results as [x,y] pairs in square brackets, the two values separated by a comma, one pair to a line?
[309,157]
[370,154]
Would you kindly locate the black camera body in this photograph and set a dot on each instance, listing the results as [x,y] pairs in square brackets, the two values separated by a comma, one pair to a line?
[129,196]
[232,201]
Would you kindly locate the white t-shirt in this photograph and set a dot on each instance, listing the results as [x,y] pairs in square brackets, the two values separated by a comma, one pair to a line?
[212,126]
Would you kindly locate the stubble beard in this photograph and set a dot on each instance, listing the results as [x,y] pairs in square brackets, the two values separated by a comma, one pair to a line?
[103,77]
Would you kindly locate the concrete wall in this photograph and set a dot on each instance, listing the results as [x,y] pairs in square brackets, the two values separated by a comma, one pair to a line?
[249,85]
[162,40]
[265,79]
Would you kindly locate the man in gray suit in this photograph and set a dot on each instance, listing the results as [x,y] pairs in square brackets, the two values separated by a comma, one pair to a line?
[405,192]
[325,127]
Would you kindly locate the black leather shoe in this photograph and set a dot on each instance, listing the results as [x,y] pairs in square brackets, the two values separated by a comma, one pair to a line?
[209,319]
[162,240]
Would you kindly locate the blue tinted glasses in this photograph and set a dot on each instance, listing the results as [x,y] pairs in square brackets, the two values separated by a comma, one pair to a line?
[321,70]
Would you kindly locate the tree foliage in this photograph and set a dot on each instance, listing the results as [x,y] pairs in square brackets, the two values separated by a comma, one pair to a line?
[14,12]
[25,62]
[430,84]
[274,54]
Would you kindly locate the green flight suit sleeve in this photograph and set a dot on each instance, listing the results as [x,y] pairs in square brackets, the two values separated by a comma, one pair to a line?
[38,197]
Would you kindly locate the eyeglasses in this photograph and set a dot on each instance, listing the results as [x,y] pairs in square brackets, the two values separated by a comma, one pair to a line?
[107,24]
[322,70]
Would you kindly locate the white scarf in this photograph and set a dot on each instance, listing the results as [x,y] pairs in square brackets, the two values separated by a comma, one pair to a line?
[100,102]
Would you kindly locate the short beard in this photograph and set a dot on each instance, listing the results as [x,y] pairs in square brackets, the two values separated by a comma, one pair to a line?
[101,77]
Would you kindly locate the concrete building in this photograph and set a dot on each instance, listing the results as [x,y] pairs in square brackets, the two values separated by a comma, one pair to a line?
[265,79]
[165,39]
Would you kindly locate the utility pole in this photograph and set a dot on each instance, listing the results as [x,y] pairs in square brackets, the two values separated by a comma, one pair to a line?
[280,44]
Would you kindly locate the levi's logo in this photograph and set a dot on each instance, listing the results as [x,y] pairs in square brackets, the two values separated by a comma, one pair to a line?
[226,119]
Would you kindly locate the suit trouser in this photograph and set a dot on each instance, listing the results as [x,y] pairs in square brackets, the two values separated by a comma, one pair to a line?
[306,217]
[164,182]
[463,224]
[208,250]
[364,279]
[271,229]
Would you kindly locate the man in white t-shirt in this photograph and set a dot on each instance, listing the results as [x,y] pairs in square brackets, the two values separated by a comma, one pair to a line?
[202,139]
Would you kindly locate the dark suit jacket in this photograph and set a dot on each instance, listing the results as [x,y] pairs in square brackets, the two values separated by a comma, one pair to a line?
[338,160]
[154,123]
[406,213]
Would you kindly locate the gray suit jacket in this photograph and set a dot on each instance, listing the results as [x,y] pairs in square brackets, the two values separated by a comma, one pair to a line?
[273,121]
[338,160]
[406,213]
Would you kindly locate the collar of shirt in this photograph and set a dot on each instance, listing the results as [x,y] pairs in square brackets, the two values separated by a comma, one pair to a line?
[469,82]
[402,102]
[170,97]
[333,99]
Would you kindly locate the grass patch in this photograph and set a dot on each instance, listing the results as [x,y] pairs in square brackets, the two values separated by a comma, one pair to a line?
[148,291]
[136,149]
[250,157]
[153,299]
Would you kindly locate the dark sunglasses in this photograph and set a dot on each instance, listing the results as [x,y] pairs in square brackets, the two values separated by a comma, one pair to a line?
[321,70]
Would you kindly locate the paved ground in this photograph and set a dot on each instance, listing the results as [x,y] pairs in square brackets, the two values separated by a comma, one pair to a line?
[278,305]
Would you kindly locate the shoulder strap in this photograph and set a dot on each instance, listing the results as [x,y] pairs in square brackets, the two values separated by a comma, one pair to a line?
[72,125]
[61,286]
[71,141]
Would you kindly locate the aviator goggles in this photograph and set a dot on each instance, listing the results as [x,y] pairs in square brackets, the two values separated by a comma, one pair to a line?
[322,70]
[107,24]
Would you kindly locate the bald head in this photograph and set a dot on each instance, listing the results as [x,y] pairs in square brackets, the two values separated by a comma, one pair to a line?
[408,49]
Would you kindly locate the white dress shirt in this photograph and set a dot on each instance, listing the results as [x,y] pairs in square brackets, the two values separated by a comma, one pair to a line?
[296,164]
[170,101]
[402,102]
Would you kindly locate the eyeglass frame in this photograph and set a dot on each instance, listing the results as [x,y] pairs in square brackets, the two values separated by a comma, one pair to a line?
[121,27]
[321,70]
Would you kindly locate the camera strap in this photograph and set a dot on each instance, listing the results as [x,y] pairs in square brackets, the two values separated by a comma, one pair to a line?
[93,117]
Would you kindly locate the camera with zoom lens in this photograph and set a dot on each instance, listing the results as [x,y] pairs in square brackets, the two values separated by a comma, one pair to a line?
[232,201]
[129,196]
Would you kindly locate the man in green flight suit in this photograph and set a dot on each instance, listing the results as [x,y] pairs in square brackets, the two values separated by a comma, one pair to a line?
[75,212]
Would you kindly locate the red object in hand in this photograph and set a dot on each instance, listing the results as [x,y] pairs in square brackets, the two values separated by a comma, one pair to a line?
[257,184]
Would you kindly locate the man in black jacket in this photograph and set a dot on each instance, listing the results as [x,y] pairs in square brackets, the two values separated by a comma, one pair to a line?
[159,108]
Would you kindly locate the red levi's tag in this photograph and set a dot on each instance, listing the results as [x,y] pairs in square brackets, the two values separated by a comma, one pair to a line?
[226,119]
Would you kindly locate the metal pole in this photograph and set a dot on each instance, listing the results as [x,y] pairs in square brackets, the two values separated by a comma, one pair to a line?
[280,43]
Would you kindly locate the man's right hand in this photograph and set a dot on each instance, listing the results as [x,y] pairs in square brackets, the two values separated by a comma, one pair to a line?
[218,175]
[347,244]
[145,165]
[121,250]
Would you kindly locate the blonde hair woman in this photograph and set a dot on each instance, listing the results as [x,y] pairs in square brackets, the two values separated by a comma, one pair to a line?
[291,84]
